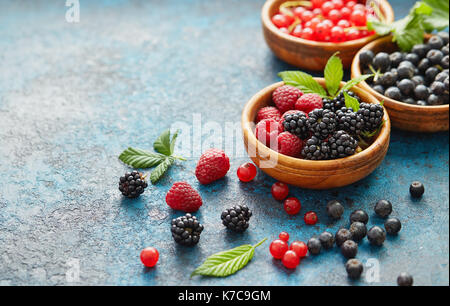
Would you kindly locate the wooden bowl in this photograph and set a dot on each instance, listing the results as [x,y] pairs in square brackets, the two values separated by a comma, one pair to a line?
[404,116]
[306,173]
[308,54]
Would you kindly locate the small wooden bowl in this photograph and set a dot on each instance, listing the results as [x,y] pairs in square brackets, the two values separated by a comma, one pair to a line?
[306,173]
[404,116]
[308,54]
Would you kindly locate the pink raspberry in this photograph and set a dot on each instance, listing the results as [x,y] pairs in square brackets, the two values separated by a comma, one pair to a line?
[289,144]
[183,197]
[267,131]
[308,103]
[268,112]
[285,97]
[213,165]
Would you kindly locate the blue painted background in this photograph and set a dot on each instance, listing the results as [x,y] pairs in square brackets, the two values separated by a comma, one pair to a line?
[73,96]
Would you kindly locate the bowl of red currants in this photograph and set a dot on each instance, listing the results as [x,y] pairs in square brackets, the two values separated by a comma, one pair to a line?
[306,33]
[414,85]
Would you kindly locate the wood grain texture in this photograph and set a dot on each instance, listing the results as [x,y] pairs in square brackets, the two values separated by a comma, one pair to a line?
[404,116]
[312,174]
[307,54]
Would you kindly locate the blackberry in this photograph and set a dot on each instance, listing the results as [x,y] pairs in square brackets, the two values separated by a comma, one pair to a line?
[321,122]
[349,249]
[186,230]
[341,145]
[354,268]
[296,124]
[349,121]
[393,226]
[359,215]
[316,149]
[358,230]
[236,218]
[132,184]
[372,115]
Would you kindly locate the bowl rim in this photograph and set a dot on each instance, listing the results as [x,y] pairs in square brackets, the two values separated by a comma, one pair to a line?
[391,103]
[267,23]
[326,165]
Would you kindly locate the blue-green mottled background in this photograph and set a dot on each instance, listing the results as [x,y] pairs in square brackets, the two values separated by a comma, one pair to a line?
[73,96]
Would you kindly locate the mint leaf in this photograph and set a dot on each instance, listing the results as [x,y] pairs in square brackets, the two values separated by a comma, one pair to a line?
[138,158]
[303,81]
[228,262]
[172,142]
[334,72]
[438,20]
[162,144]
[351,102]
[354,82]
[159,171]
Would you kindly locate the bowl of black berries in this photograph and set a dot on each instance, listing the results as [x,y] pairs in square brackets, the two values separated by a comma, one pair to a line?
[414,85]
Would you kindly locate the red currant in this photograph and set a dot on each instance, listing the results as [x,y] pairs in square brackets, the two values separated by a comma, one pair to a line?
[298,11]
[284,236]
[338,4]
[353,34]
[314,22]
[334,15]
[346,12]
[364,33]
[337,34]
[358,18]
[278,248]
[350,4]
[359,7]
[282,21]
[317,12]
[280,191]
[284,30]
[311,218]
[299,247]
[149,257]
[290,260]
[307,16]
[343,23]
[327,7]
[308,33]
[328,22]
[246,172]
[292,206]
[297,32]
[317,3]
[323,30]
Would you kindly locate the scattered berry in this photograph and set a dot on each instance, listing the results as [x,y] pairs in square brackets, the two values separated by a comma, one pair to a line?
[132,184]
[392,226]
[182,196]
[268,112]
[335,210]
[327,240]
[311,218]
[289,144]
[284,236]
[342,235]
[314,246]
[278,248]
[300,248]
[280,191]
[405,280]
[354,268]
[186,230]
[213,165]
[246,172]
[290,260]
[358,231]
[349,249]
[383,208]
[359,216]
[285,97]
[417,189]
[309,102]
[292,205]
[376,236]
[236,218]
[149,257]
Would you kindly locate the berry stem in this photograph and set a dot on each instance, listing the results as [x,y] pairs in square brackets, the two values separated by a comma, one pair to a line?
[294,24]
[289,4]
[179,157]
[259,243]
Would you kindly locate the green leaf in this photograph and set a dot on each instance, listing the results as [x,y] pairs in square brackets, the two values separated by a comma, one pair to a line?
[303,81]
[162,144]
[351,102]
[172,142]
[334,72]
[138,158]
[438,20]
[227,262]
[159,171]
[380,27]
[354,82]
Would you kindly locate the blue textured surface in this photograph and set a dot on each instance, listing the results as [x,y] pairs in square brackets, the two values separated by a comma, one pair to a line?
[72,96]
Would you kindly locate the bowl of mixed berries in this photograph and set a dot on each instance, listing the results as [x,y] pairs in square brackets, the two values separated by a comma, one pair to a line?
[306,33]
[316,133]
[414,84]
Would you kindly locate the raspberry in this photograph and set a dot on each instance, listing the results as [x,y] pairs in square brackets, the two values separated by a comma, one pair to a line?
[296,124]
[285,97]
[236,218]
[268,112]
[289,144]
[213,165]
[316,149]
[132,184]
[308,102]
[342,145]
[183,197]
[267,132]
[186,230]
[321,122]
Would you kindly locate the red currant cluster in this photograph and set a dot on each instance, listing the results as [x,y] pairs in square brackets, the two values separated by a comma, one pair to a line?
[326,21]
[290,255]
